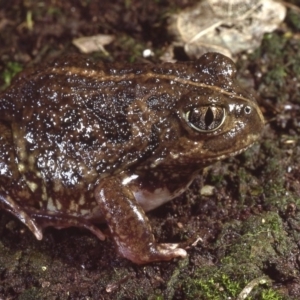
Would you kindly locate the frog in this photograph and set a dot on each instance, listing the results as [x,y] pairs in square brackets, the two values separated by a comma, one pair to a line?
[85,142]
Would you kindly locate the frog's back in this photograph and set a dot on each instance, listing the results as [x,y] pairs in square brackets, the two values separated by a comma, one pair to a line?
[75,119]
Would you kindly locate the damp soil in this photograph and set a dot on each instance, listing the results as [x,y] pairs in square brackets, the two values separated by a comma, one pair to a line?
[245,234]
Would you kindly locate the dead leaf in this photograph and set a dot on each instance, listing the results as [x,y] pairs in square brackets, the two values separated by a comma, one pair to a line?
[228,26]
[93,43]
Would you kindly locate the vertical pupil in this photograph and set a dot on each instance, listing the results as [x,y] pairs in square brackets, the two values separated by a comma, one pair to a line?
[209,117]
[205,118]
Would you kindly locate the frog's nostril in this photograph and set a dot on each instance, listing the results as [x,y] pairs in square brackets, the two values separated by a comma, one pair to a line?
[247,110]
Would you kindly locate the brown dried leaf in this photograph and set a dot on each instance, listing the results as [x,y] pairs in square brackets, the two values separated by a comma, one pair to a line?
[93,43]
[226,26]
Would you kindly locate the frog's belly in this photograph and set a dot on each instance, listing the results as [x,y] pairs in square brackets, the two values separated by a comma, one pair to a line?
[150,200]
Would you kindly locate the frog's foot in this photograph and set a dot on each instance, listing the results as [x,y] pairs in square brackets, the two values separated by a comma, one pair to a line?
[129,225]
[60,221]
[11,206]
[154,252]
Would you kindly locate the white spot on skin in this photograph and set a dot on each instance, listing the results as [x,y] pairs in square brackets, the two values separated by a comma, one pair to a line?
[58,205]
[3,169]
[174,155]
[128,179]
[81,200]
[73,206]
[50,205]
[227,72]
[29,138]
[231,107]
[21,168]
[32,185]
[44,193]
[156,163]
[84,212]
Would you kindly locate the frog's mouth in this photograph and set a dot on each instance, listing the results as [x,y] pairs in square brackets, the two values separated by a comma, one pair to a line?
[250,140]
[237,152]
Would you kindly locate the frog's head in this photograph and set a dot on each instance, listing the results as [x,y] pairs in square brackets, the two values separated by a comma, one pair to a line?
[218,117]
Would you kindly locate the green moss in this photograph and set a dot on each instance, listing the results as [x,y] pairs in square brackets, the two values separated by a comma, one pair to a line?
[156,298]
[11,69]
[293,19]
[273,44]
[274,173]
[218,287]
[270,295]
[281,62]
[216,179]
[245,250]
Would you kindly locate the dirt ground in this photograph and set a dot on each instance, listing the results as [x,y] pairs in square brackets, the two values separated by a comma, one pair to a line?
[249,227]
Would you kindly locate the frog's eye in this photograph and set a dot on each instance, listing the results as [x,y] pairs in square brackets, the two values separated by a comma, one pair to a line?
[205,118]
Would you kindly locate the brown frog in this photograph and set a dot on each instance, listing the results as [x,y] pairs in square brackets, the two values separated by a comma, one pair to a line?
[84,142]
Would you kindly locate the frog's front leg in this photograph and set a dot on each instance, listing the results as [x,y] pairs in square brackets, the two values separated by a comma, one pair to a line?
[129,225]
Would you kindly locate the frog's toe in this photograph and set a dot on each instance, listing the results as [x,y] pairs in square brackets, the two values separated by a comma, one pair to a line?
[155,252]
[171,250]
[172,247]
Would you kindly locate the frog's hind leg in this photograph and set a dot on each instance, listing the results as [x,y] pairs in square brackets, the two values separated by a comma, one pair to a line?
[61,220]
[7,203]
[129,225]
[18,199]
[32,217]
[12,187]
